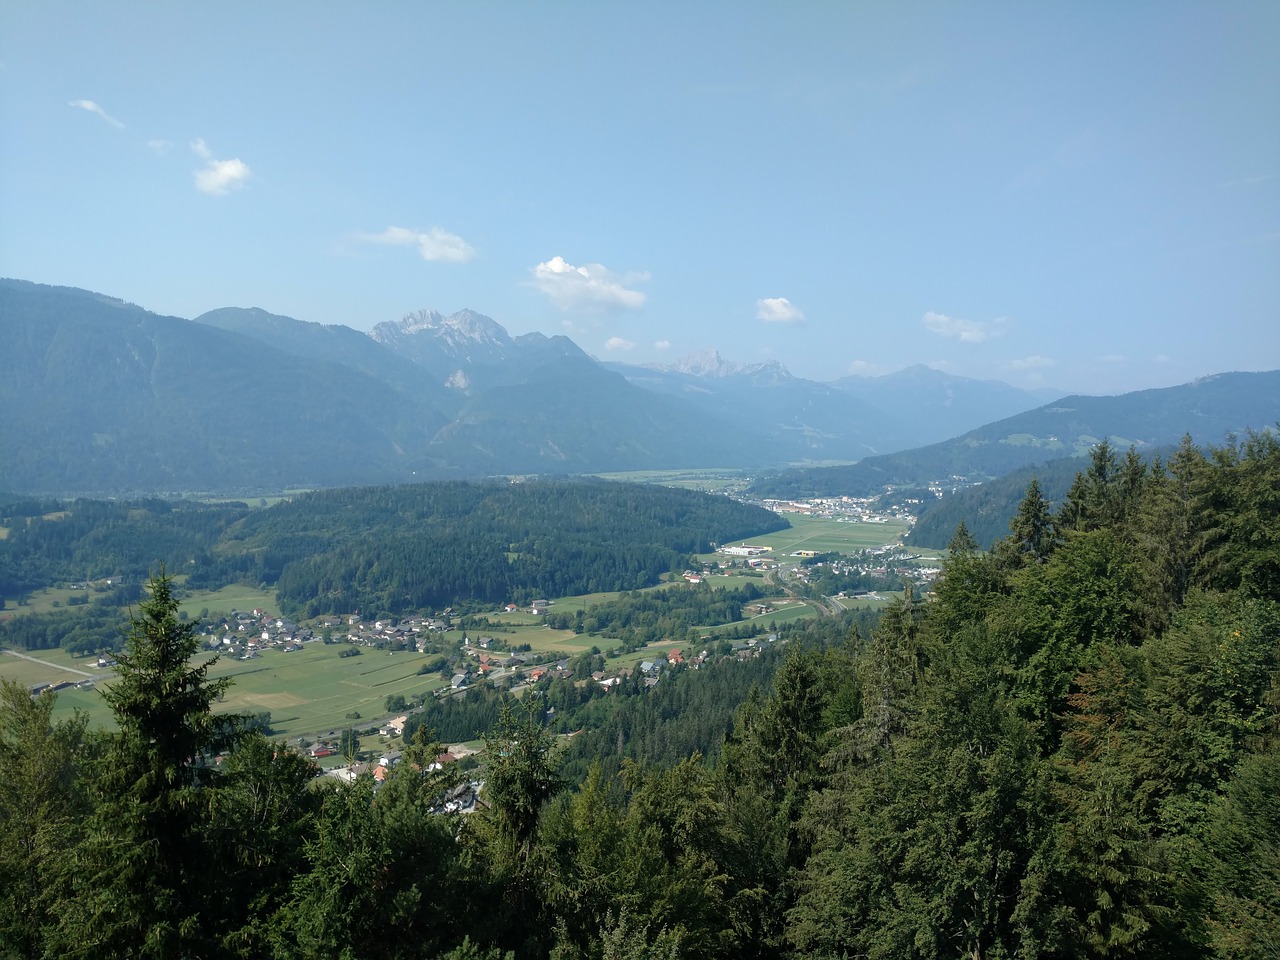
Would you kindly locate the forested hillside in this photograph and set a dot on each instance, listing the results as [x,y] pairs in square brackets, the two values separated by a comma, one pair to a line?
[1071,751]
[379,550]
[987,509]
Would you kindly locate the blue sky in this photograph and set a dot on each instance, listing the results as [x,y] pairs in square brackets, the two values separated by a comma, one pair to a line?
[1082,195]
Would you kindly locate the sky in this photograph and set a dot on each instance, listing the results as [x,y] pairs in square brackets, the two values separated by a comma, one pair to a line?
[1082,195]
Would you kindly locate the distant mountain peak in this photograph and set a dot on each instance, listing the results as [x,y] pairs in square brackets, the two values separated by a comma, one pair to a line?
[709,364]
[465,326]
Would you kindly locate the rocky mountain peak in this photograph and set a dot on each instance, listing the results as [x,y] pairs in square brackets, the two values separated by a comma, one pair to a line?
[709,364]
[457,329]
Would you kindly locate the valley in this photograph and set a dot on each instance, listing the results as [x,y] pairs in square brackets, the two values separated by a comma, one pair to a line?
[313,688]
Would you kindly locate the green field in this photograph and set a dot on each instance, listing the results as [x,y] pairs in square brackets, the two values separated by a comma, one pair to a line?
[708,480]
[312,690]
[54,667]
[308,691]
[826,535]
[44,601]
[237,596]
[234,597]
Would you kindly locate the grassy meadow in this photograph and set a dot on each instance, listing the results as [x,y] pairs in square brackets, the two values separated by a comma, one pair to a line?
[826,535]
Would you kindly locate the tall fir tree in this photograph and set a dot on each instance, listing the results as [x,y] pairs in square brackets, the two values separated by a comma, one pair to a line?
[140,885]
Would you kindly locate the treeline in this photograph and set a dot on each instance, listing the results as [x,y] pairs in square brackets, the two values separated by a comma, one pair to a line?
[92,540]
[987,509]
[383,550]
[424,547]
[1071,752]
[637,618]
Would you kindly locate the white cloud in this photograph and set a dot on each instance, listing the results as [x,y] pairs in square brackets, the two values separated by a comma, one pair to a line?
[590,287]
[1162,359]
[1034,362]
[1111,358]
[777,310]
[160,146]
[966,331]
[662,345]
[94,108]
[218,176]
[433,244]
[618,343]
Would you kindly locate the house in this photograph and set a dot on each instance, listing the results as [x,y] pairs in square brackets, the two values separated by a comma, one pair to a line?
[394,727]
[675,657]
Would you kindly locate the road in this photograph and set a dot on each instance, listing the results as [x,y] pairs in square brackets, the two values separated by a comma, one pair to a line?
[56,666]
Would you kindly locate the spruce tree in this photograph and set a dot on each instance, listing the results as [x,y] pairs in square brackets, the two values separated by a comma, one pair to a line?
[141,882]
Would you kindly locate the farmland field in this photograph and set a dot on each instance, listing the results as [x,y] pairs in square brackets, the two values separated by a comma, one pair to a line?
[308,691]
[827,535]
[237,596]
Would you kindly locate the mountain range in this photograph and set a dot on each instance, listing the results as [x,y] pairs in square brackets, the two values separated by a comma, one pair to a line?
[100,396]
[1208,410]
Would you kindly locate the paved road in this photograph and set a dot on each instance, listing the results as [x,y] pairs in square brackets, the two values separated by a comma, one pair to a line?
[56,666]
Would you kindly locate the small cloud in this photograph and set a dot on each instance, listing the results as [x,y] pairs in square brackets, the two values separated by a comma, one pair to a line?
[966,331]
[1112,358]
[94,108]
[777,310]
[433,244]
[662,345]
[590,287]
[217,177]
[160,146]
[1035,362]
[618,343]
[1162,359]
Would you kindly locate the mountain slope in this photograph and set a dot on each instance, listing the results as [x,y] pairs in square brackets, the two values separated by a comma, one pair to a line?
[1208,409]
[334,343]
[100,395]
[794,419]
[938,405]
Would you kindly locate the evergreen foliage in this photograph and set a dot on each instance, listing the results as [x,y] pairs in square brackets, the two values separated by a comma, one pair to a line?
[1068,751]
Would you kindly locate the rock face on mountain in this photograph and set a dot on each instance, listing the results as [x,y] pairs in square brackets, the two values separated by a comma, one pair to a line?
[708,364]
[467,350]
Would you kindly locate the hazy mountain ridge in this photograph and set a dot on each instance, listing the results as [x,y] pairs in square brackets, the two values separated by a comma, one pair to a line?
[102,396]
[1208,409]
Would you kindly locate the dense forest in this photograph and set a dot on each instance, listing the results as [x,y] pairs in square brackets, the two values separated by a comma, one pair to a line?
[380,550]
[1070,750]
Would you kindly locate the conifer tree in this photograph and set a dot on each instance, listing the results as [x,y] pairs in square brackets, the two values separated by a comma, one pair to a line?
[140,886]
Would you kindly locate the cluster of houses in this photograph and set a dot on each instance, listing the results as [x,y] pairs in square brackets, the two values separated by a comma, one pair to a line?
[878,562]
[463,797]
[244,634]
[844,509]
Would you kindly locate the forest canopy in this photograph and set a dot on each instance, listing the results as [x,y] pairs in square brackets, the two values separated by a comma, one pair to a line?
[1069,751]
[384,549]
